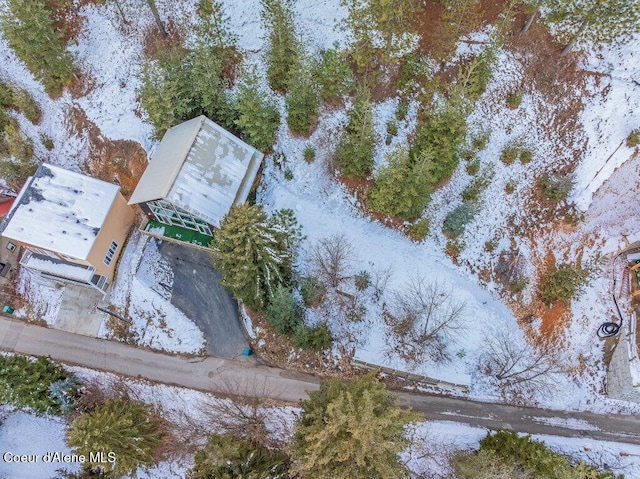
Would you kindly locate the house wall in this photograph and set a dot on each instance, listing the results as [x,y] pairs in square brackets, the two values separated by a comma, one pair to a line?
[115,228]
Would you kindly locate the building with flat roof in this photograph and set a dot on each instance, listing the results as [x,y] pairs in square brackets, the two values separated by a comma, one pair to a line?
[72,226]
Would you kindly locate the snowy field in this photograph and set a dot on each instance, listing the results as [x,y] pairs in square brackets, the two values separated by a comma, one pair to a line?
[111,53]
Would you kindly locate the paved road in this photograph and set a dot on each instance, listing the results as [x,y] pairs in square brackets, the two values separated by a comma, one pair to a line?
[215,374]
[198,294]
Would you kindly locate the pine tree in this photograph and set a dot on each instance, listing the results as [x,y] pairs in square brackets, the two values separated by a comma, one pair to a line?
[228,457]
[599,21]
[284,52]
[355,151]
[252,253]
[333,75]
[284,313]
[124,427]
[381,31]
[258,117]
[302,101]
[350,430]
[402,188]
[28,26]
[182,84]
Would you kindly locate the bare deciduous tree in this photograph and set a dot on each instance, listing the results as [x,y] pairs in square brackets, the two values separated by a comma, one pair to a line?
[520,368]
[332,259]
[423,317]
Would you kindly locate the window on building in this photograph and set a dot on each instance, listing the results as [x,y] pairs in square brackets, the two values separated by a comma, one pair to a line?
[110,253]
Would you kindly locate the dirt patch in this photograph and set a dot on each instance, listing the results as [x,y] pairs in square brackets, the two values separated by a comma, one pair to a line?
[154,43]
[117,161]
[66,16]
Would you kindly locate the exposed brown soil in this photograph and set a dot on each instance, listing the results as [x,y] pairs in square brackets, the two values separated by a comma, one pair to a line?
[116,161]
[155,43]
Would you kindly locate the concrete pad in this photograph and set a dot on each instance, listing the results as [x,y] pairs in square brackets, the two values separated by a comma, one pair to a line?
[78,313]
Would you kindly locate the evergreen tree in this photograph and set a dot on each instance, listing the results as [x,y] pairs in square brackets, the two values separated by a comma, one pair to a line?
[302,101]
[253,254]
[182,84]
[28,26]
[258,117]
[598,21]
[333,75]
[27,383]
[402,188]
[439,137]
[124,427]
[283,55]
[350,430]
[229,457]
[381,31]
[355,151]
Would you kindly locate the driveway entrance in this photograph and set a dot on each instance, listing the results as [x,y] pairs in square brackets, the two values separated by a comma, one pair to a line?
[198,294]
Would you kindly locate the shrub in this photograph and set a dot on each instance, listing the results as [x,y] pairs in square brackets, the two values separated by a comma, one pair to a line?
[479,141]
[555,189]
[456,221]
[509,188]
[317,338]
[302,101]
[312,291]
[509,154]
[473,167]
[284,313]
[309,153]
[472,192]
[288,174]
[333,75]
[362,280]
[403,109]
[47,142]
[40,384]
[392,128]
[562,283]
[514,99]
[526,156]
[420,229]
[634,138]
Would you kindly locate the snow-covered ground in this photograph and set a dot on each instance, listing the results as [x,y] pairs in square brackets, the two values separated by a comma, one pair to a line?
[111,53]
[142,292]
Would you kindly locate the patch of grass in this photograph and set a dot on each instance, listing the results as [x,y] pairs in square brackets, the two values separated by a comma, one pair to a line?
[514,99]
[288,174]
[518,285]
[491,245]
[309,153]
[526,156]
[509,155]
[634,138]
[509,188]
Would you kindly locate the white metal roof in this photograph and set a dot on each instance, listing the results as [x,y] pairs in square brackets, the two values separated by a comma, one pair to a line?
[60,210]
[201,168]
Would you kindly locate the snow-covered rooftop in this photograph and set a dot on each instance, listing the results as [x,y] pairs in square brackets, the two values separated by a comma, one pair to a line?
[201,168]
[60,210]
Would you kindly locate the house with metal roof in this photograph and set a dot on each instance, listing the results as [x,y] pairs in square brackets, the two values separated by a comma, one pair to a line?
[71,226]
[197,173]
